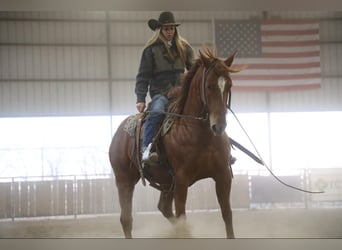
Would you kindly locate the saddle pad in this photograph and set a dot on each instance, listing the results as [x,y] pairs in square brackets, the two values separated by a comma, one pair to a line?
[131,124]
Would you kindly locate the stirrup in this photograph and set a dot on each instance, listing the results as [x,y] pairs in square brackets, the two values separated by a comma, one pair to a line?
[149,156]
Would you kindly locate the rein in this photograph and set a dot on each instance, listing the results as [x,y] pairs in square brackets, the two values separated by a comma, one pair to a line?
[201,118]
[232,142]
[260,160]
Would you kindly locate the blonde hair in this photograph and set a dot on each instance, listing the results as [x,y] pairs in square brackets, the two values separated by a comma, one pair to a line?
[181,44]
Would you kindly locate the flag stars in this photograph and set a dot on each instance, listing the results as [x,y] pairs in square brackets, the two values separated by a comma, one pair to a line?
[241,35]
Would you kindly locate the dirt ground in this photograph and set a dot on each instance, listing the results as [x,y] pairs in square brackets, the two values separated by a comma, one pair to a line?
[299,223]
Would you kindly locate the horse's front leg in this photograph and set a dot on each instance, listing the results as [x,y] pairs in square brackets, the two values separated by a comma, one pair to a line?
[180,196]
[223,183]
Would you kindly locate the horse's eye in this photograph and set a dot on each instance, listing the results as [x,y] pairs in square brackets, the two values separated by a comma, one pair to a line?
[210,86]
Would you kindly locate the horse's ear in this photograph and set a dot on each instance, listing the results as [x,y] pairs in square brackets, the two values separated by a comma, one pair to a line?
[229,60]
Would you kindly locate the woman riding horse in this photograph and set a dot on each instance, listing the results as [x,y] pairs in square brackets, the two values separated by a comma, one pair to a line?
[163,60]
[196,146]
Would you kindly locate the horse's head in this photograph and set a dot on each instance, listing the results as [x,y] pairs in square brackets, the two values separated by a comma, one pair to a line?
[215,88]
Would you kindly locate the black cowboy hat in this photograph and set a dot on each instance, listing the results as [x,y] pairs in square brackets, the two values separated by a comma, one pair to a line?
[165,18]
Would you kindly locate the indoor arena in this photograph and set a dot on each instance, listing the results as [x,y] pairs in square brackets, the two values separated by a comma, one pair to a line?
[67,81]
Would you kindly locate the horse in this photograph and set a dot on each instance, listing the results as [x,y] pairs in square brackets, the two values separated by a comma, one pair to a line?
[195,147]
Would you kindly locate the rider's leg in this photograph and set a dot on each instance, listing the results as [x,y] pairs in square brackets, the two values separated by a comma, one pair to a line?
[158,105]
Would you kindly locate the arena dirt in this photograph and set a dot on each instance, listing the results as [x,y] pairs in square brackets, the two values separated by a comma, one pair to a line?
[299,223]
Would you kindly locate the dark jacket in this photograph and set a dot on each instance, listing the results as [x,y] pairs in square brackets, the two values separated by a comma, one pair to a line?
[158,72]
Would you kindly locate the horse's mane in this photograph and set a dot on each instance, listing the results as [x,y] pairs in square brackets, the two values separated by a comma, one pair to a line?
[178,105]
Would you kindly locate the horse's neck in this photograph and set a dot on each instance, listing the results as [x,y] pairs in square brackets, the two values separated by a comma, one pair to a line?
[194,106]
[195,109]
[195,112]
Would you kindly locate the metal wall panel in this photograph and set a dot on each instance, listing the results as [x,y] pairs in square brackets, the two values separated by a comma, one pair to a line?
[123,97]
[327,98]
[52,32]
[52,62]
[330,30]
[57,63]
[306,14]
[197,29]
[62,15]
[129,33]
[197,33]
[125,62]
[331,60]
[53,98]
[249,102]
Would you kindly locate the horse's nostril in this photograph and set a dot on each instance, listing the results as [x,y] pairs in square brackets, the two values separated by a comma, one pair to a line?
[214,128]
[218,130]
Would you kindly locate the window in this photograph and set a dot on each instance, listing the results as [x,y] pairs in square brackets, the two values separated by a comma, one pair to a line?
[51,146]
[288,141]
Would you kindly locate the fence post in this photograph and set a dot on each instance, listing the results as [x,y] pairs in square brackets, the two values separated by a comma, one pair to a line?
[12,200]
[75,197]
[306,184]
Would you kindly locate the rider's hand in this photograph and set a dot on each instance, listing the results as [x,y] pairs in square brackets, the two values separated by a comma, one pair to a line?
[141,107]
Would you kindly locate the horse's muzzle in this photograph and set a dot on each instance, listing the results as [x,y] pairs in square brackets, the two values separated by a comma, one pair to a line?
[217,129]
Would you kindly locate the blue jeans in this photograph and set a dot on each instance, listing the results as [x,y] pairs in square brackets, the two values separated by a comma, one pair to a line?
[158,104]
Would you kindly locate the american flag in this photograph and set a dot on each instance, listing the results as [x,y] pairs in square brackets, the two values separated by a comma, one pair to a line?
[279,54]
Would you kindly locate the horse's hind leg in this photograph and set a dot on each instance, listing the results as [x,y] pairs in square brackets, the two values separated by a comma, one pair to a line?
[125,198]
[165,204]
[223,186]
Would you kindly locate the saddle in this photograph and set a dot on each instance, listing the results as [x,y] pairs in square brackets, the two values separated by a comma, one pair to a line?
[134,128]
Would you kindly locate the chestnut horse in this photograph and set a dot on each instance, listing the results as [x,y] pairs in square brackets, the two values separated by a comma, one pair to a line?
[195,147]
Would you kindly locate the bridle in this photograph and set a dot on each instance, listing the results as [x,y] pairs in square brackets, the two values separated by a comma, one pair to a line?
[203,94]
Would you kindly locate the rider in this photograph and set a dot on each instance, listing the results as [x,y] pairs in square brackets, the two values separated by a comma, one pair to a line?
[163,60]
